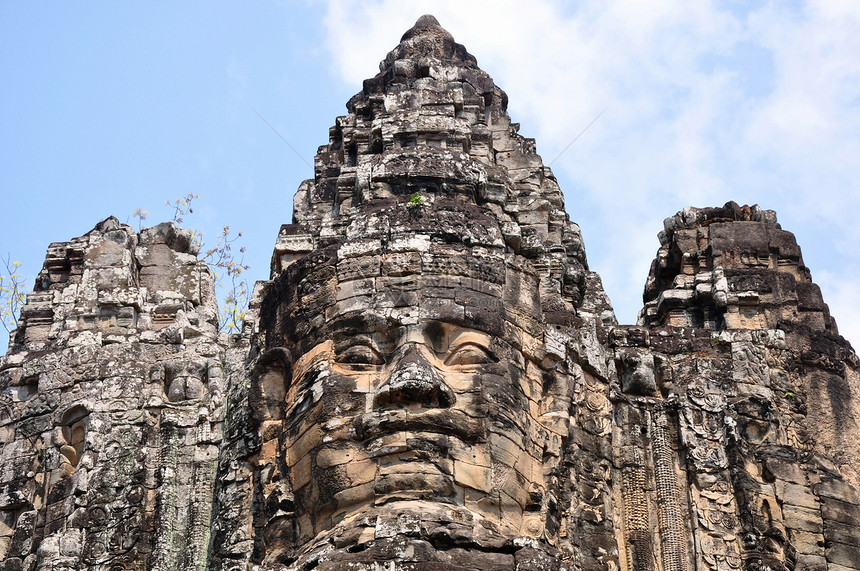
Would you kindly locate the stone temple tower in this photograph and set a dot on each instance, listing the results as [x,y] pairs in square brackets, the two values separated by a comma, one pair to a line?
[420,357]
[432,378]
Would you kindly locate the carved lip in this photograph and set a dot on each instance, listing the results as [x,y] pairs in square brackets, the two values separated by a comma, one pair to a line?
[440,421]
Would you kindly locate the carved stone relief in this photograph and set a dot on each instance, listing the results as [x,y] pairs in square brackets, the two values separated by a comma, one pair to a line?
[432,378]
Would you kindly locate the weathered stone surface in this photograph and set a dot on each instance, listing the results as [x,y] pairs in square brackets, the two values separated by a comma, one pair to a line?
[112,397]
[432,379]
[409,323]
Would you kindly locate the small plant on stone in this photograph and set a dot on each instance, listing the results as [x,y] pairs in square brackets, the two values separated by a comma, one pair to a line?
[416,201]
[181,206]
[228,270]
[12,295]
[141,215]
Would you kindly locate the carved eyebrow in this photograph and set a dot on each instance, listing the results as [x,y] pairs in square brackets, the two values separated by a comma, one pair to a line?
[344,342]
[344,324]
[466,336]
[359,351]
[481,353]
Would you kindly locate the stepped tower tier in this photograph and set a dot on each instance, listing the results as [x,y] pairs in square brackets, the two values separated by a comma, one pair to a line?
[430,134]
[111,399]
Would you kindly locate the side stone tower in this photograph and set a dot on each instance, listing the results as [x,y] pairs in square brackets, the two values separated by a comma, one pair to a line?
[737,351]
[111,404]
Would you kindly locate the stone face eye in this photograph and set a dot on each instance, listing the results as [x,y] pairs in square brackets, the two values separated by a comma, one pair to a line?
[469,354]
[360,357]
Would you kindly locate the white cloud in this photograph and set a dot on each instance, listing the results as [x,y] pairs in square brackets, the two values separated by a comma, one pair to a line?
[840,293]
[703,105]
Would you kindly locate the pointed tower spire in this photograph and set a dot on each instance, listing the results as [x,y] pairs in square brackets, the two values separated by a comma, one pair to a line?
[432,126]
[426,24]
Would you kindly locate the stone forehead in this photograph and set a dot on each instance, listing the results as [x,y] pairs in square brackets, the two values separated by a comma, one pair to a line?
[417,281]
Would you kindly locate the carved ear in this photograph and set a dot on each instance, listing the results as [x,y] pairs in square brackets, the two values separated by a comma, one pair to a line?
[269,380]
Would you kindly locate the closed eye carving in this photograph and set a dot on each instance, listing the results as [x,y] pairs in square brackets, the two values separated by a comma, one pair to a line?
[360,357]
[469,354]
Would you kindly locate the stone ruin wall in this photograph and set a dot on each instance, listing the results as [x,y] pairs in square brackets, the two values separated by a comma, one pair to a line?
[721,432]
[112,406]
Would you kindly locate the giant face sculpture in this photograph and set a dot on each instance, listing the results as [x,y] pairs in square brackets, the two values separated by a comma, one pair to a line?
[405,371]
[415,385]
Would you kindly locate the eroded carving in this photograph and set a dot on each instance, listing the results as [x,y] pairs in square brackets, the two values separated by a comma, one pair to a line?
[432,378]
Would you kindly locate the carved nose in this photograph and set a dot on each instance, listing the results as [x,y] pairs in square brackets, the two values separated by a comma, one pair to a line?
[414,382]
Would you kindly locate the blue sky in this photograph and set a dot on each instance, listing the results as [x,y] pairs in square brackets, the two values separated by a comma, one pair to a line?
[109,107]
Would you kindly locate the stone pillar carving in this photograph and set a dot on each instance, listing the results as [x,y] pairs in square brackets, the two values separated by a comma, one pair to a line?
[104,464]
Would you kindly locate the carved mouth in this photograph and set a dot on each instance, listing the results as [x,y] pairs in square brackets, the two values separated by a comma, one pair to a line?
[439,421]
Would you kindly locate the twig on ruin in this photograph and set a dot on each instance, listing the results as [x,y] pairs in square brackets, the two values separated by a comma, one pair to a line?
[12,296]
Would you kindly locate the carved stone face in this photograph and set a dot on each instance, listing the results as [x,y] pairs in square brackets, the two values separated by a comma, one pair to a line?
[416,388]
